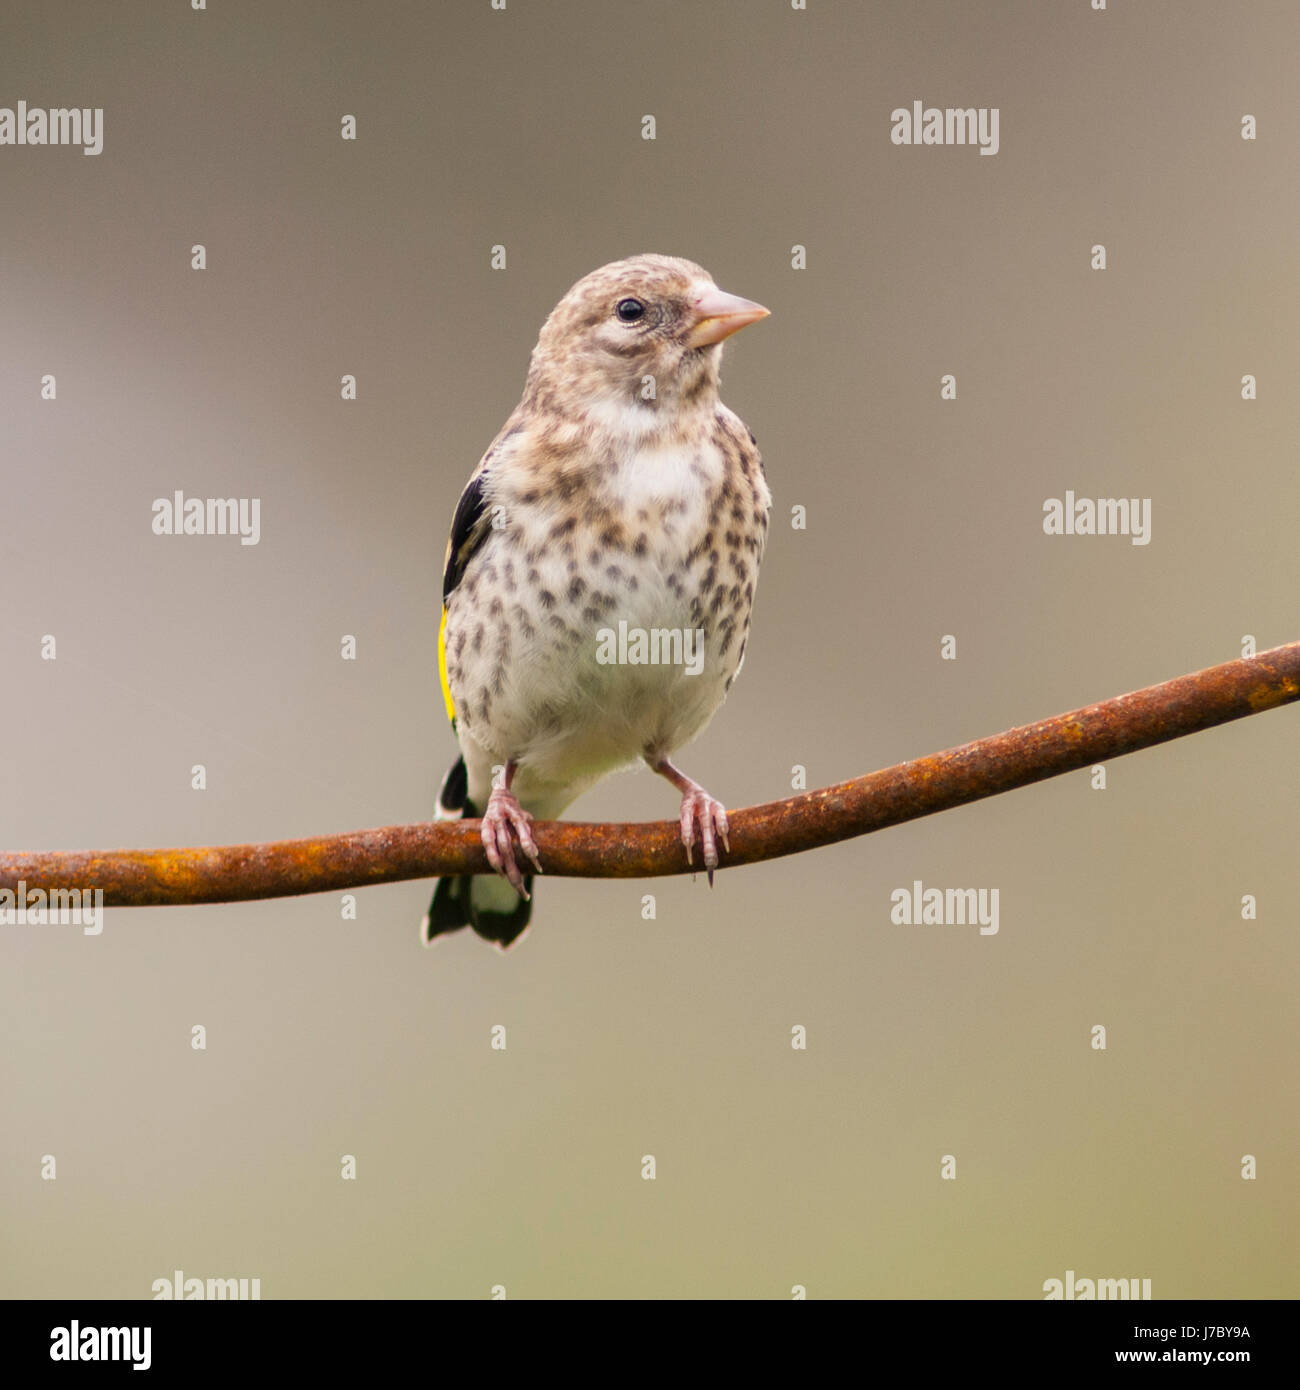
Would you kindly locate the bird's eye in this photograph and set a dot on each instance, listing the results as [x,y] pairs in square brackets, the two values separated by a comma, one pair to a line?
[629,310]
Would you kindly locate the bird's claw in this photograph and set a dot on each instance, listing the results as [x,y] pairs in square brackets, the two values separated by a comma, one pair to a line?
[504,812]
[697,804]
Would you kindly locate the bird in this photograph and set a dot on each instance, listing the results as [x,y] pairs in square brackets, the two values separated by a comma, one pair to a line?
[599,578]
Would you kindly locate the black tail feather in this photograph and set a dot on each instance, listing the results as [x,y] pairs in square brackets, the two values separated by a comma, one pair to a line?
[452,907]
[448,911]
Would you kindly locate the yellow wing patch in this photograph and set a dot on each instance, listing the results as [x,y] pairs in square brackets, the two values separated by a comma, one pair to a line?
[442,667]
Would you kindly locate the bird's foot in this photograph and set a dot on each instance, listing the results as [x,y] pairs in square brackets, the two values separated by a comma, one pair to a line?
[504,812]
[697,804]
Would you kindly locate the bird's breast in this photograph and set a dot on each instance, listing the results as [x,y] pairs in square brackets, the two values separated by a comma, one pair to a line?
[591,627]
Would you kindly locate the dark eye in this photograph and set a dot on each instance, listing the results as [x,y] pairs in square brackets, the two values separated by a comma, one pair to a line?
[629,310]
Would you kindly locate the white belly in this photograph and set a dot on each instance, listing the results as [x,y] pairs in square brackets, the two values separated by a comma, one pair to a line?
[627,673]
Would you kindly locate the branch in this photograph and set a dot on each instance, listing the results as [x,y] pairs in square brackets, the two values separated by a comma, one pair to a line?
[237,873]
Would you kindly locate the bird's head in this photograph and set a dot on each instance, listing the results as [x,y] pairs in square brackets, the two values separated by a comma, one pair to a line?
[635,338]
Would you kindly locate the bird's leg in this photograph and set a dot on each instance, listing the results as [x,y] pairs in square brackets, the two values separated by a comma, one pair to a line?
[503,811]
[697,804]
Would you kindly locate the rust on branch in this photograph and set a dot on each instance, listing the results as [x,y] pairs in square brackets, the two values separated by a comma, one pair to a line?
[1065,743]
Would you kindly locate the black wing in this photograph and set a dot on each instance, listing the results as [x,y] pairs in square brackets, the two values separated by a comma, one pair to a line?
[468,528]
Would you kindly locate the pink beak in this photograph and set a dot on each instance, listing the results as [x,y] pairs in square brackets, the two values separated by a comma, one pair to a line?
[718,315]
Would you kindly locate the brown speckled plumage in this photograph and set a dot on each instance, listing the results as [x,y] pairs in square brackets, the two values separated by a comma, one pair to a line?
[621,491]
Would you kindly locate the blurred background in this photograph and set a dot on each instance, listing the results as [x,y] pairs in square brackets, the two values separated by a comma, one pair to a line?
[326,1037]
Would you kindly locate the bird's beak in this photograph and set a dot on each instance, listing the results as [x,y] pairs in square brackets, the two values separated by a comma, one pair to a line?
[718,315]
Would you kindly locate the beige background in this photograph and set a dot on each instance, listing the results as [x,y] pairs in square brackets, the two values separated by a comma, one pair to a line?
[669,1037]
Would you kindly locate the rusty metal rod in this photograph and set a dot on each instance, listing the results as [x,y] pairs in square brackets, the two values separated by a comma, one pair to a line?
[1065,743]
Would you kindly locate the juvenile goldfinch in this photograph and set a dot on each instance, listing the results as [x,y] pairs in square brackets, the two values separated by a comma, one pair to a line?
[600,574]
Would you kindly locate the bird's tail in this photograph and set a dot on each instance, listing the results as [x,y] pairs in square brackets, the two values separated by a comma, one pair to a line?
[485,902]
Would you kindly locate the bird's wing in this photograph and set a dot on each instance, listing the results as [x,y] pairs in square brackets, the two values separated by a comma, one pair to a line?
[469,527]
